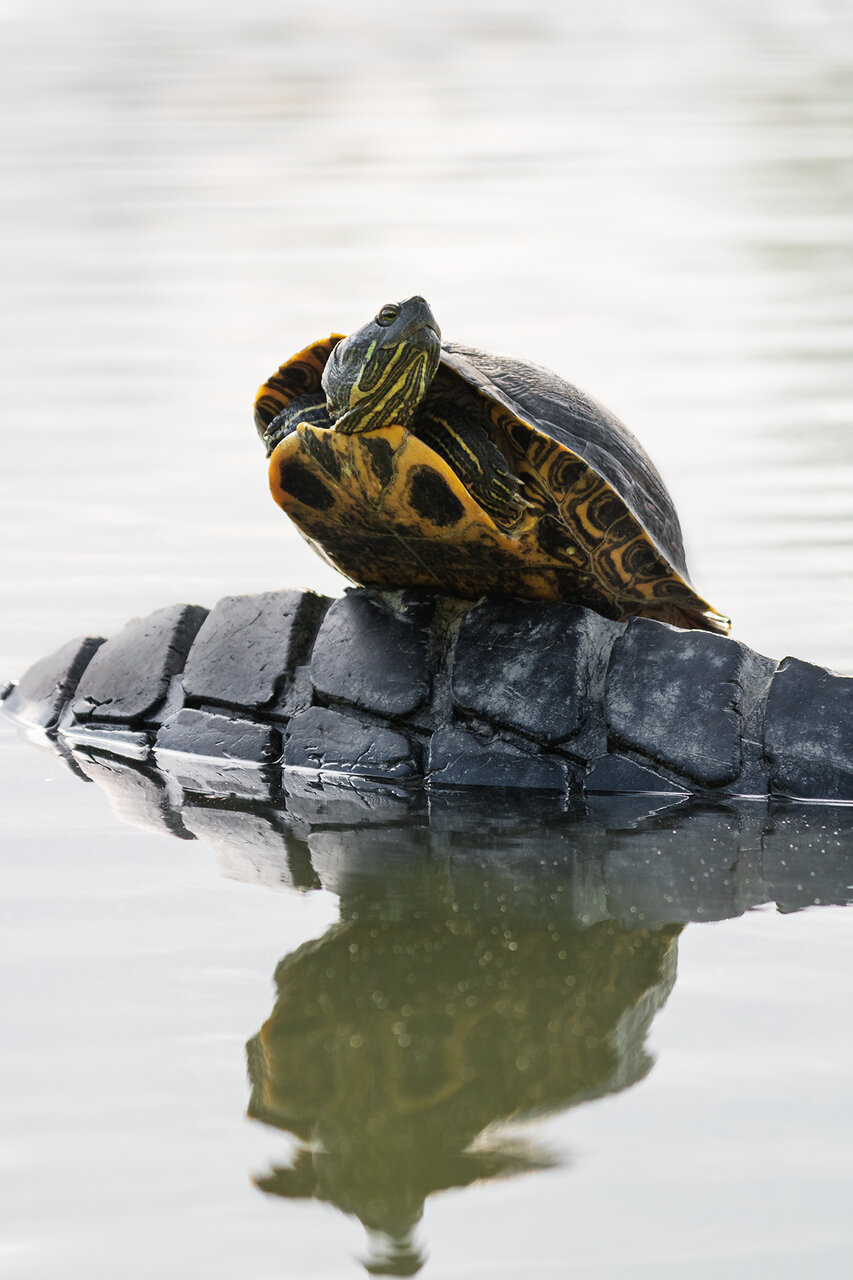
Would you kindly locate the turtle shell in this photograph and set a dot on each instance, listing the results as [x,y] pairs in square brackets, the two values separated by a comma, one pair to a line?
[599,528]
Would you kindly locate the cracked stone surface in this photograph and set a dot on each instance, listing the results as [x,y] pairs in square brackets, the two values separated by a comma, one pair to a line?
[673,696]
[324,739]
[458,758]
[406,690]
[129,676]
[809,732]
[616,774]
[220,737]
[40,695]
[374,657]
[248,647]
[523,668]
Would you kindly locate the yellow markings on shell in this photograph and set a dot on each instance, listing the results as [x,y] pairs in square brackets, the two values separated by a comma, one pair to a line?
[370,531]
[300,375]
[368,514]
[359,483]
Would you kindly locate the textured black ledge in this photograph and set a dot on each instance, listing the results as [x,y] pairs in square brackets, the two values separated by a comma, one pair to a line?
[413,688]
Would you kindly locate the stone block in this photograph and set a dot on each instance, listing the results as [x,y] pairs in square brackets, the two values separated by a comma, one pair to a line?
[128,678]
[328,741]
[372,656]
[219,737]
[673,696]
[458,758]
[808,732]
[116,739]
[248,647]
[42,692]
[618,774]
[219,755]
[523,664]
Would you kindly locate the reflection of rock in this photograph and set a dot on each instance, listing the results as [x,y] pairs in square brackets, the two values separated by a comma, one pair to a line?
[136,793]
[497,957]
[643,860]
[253,845]
[399,1048]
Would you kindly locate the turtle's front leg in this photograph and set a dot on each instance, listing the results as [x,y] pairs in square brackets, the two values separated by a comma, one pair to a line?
[311,409]
[463,443]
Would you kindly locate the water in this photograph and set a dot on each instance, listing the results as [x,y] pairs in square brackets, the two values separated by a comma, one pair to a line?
[655,201]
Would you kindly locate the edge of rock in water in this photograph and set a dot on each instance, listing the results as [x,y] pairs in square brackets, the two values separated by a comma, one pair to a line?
[416,689]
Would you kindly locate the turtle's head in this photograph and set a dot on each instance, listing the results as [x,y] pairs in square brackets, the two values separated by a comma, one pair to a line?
[378,376]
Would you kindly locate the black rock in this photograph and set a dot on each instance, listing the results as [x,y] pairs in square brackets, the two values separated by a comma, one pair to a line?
[248,648]
[219,737]
[42,692]
[673,696]
[219,755]
[503,694]
[458,758]
[372,656]
[617,774]
[100,736]
[324,740]
[129,676]
[524,665]
[808,732]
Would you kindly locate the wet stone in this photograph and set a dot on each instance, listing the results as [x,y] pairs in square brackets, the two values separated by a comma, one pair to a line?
[673,695]
[523,665]
[40,695]
[248,647]
[219,737]
[116,739]
[324,740]
[808,732]
[374,657]
[129,676]
[458,758]
[617,774]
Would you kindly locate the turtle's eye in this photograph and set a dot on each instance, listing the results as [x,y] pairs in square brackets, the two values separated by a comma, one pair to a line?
[388,314]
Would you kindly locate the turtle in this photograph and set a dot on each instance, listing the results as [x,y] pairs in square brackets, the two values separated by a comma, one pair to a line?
[410,462]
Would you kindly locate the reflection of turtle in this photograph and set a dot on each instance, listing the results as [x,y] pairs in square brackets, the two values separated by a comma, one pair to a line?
[399,1048]
[412,463]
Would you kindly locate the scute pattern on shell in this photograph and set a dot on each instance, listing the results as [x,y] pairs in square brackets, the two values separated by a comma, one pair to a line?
[298,376]
[602,531]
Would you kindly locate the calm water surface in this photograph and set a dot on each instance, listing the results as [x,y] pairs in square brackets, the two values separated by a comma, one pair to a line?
[585,1047]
